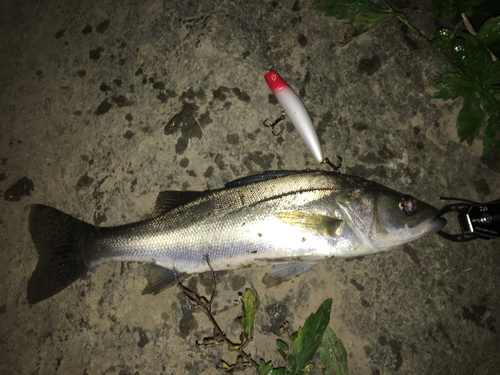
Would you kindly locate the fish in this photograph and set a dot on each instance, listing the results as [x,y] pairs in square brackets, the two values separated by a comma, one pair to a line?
[290,220]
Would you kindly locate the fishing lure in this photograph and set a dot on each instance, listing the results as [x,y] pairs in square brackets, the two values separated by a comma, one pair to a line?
[296,111]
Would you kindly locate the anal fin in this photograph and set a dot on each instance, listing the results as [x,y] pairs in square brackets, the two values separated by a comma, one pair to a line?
[284,271]
[160,278]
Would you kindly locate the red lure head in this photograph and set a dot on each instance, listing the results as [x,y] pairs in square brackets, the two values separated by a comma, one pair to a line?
[274,81]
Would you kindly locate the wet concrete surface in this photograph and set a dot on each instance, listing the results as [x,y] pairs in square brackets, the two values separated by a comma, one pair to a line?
[103,104]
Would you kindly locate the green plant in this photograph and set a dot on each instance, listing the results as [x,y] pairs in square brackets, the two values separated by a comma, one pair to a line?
[477,76]
[302,345]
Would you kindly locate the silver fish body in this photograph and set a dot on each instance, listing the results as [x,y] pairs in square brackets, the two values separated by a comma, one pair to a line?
[289,219]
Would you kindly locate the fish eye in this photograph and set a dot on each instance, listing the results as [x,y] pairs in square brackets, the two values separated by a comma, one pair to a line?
[408,205]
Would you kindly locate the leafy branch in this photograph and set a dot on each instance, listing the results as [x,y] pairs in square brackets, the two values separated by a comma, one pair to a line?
[477,76]
[314,336]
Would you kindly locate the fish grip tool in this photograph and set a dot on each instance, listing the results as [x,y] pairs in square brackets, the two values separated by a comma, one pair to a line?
[477,220]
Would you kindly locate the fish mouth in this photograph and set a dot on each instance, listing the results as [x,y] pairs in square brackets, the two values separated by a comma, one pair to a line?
[436,224]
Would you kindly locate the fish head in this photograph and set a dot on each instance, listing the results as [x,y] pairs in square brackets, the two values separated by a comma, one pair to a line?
[387,218]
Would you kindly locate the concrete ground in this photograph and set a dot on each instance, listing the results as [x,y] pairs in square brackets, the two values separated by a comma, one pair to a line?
[103,104]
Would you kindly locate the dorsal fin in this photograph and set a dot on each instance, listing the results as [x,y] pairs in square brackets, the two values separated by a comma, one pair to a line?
[169,199]
[264,176]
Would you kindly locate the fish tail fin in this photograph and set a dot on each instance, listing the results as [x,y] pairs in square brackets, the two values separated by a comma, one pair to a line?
[60,240]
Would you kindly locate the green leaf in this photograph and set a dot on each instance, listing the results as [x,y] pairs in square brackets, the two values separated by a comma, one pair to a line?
[344,8]
[369,19]
[452,9]
[283,355]
[282,345]
[469,120]
[442,38]
[491,141]
[491,75]
[250,304]
[443,9]
[490,31]
[470,38]
[453,87]
[265,368]
[292,362]
[463,54]
[333,353]
[310,336]
[490,105]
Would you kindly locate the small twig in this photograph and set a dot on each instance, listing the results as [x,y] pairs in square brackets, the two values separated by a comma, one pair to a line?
[471,30]
[206,307]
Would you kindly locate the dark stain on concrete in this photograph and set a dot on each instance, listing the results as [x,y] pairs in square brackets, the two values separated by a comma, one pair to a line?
[95,54]
[476,314]
[220,93]
[84,182]
[233,139]
[237,282]
[412,253]
[209,172]
[87,30]
[21,188]
[185,116]
[128,134]
[369,66]
[103,108]
[325,122]
[278,315]
[60,34]
[192,94]
[371,158]
[122,101]
[264,161]
[104,87]
[357,285]
[99,219]
[187,323]
[219,161]
[482,187]
[385,153]
[302,40]
[272,99]
[159,86]
[360,126]
[241,95]
[181,145]
[143,338]
[103,26]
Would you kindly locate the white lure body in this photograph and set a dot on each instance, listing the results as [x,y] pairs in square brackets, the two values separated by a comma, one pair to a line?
[296,111]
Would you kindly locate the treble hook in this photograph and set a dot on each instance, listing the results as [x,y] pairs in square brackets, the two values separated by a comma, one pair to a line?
[335,167]
[282,117]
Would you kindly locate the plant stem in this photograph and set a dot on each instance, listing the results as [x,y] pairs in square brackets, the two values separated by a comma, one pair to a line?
[405,21]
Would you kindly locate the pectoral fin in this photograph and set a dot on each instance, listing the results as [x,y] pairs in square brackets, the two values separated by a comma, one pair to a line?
[283,272]
[312,222]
